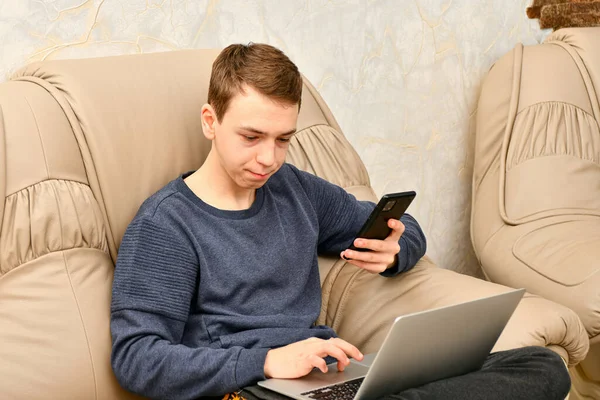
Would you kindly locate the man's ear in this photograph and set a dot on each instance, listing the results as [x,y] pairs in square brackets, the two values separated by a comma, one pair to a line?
[209,120]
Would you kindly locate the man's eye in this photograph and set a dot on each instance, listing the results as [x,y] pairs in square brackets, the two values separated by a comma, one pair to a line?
[284,140]
[250,138]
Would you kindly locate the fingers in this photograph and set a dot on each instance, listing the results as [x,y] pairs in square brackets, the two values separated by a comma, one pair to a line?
[369,267]
[348,348]
[334,347]
[372,244]
[330,348]
[338,349]
[318,362]
[383,245]
[378,256]
[397,229]
[370,261]
[383,252]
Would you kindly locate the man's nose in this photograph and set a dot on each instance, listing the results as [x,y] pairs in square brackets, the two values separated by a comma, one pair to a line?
[266,154]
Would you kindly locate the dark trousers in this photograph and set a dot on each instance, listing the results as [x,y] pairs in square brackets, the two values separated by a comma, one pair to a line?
[529,373]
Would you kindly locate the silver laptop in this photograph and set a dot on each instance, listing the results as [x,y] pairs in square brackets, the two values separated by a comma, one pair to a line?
[419,348]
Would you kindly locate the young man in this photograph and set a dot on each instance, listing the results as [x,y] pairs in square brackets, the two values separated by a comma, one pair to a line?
[216,285]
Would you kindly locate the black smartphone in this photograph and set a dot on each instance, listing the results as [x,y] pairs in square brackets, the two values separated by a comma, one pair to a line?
[391,205]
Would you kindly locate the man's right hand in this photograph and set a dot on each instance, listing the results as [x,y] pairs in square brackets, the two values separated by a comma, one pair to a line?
[299,358]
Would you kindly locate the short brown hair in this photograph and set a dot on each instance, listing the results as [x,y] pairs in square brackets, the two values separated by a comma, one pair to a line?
[261,66]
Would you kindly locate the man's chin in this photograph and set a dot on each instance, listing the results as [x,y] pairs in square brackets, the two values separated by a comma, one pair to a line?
[257,185]
[252,184]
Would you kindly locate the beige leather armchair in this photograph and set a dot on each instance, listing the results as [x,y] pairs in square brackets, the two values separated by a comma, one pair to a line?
[84,142]
[536,186]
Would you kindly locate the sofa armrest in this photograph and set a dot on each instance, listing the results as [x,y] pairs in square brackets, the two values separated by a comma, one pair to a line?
[361,307]
[555,258]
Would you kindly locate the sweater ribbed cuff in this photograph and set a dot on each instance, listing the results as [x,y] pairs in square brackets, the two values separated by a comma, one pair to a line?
[250,367]
[400,263]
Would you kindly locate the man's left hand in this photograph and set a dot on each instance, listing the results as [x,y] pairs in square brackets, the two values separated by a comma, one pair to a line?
[383,252]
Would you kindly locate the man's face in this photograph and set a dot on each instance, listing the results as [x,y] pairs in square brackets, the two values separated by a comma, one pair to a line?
[252,140]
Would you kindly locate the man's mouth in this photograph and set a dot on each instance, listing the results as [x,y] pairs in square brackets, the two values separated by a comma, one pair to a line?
[259,176]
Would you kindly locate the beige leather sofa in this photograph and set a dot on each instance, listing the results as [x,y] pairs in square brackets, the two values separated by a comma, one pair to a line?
[84,142]
[536,186]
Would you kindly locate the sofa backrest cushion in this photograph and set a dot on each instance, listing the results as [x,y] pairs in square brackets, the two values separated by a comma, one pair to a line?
[136,122]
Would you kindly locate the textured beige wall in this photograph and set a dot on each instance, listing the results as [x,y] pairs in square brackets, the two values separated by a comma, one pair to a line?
[401,76]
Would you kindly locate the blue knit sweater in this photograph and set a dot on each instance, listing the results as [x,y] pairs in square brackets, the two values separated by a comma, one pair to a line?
[201,294]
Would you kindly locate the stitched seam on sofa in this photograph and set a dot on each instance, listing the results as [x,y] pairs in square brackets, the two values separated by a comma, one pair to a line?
[37,128]
[564,339]
[102,226]
[49,253]
[47,180]
[496,160]
[517,66]
[572,348]
[60,219]
[76,213]
[553,155]
[31,242]
[87,340]
[342,305]
[329,283]
[519,256]
[2,172]
[306,128]
[556,212]
[558,103]
[483,248]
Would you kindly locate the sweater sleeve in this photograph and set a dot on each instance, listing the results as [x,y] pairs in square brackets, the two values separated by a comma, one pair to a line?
[341,216]
[156,276]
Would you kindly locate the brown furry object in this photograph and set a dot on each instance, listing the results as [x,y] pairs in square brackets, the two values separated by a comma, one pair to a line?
[558,14]
[535,10]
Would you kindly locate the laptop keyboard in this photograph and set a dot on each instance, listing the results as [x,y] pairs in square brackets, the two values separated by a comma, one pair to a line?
[341,391]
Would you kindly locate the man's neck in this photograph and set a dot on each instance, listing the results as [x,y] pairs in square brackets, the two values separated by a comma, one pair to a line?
[214,186]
